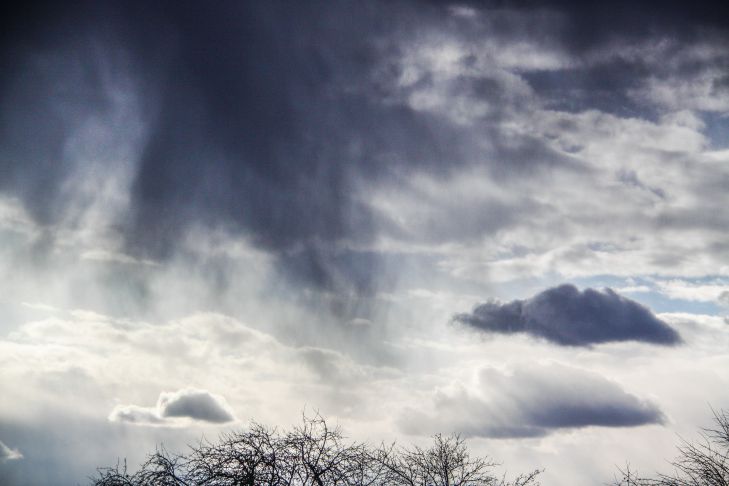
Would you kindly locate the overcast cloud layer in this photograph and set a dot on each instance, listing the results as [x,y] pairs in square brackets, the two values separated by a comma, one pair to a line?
[211,213]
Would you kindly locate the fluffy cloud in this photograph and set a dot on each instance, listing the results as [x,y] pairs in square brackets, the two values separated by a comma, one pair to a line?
[567,316]
[532,401]
[188,403]
[8,454]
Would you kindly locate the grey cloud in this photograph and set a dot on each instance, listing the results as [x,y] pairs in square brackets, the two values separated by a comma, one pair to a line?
[567,316]
[630,178]
[8,454]
[533,402]
[194,404]
[188,403]
[724,298]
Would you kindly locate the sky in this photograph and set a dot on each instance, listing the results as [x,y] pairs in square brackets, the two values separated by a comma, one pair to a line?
[499,219]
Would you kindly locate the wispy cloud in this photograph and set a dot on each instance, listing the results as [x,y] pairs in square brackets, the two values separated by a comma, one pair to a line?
[8,454]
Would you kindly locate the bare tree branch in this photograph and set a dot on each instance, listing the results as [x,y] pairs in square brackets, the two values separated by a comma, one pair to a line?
[311,454]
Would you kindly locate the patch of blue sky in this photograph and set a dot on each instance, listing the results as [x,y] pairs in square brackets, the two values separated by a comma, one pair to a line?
[646,291]
[717,129]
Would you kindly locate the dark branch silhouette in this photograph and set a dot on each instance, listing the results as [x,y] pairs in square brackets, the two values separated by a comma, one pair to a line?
[312,454]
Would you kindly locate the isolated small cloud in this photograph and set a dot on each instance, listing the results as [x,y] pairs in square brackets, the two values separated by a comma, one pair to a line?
[532,401]
[188,403]
[195,404]
[567,316]
[8,454]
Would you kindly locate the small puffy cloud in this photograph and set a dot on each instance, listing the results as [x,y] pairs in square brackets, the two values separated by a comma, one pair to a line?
[532,401]
[8,454]
[567,316]
[195,404]
[188,403]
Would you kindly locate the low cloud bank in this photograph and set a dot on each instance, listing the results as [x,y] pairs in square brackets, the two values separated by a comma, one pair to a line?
[532,401]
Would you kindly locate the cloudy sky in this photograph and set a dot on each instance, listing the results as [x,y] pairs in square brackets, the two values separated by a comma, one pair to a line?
[502,219]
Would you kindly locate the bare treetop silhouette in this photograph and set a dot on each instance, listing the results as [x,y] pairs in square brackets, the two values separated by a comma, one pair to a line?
[313,453]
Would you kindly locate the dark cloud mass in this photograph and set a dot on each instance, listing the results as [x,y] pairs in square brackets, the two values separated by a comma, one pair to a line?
[567,316]
[267,118]
[258,118]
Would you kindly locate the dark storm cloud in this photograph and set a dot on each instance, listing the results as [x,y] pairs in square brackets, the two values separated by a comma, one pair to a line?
[532,402]
[567,316]
[266,119]
[260,117]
